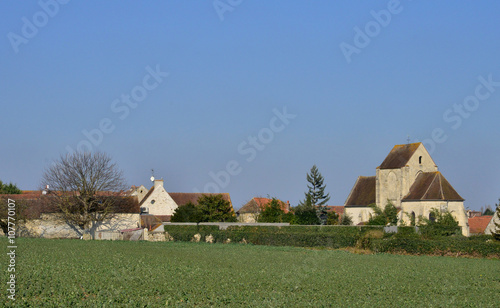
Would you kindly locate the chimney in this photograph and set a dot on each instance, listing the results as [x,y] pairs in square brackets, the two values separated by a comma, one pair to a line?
[158,183]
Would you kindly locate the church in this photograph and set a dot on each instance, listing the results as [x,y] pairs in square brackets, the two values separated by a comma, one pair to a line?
[409,178]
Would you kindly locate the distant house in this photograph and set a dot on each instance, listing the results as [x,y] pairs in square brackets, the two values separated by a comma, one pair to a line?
[249,212]
[478,224]
[139,191]
[491,227]
[471,213]
[158,205]
[157,201]
[39,216]
[339,209]
[409,178]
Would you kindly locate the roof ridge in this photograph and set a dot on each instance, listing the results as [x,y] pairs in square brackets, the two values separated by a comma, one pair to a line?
[150,191]
[429,187]
[440,185]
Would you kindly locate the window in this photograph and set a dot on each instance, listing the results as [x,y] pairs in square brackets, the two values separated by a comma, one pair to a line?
[432,217]
[412,219]
[420,160]
[153,201]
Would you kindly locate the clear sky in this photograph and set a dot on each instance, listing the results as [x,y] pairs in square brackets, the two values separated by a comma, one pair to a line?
[252,93]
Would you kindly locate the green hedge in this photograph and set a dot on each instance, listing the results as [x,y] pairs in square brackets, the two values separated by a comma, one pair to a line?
[302,236]
[367,237]
[474,246]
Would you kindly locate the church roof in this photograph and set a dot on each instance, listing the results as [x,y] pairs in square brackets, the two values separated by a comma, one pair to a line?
[363,192]
[399,156]
[432,186]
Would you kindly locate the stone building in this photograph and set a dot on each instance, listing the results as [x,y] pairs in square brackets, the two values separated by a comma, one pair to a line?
[249,212]
[409,178]
[491,227]
[157,205]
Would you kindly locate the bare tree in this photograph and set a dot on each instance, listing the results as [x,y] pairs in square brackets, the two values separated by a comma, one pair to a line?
[84,187]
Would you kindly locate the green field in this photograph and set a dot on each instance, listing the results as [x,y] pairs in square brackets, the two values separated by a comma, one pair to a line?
[137,274]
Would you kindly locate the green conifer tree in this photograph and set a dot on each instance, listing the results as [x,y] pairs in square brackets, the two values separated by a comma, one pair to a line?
[316,193]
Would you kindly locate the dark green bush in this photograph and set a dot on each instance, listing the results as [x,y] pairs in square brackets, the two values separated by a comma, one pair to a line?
[303,236]
[442,246]
[366,237]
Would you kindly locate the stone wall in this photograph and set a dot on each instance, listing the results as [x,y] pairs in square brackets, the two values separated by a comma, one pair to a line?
[423,208]
[359,214]
[54,226]
[247,217]
[491,227]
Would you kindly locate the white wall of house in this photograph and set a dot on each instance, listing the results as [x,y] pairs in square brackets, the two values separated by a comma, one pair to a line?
[248,217]
[490,228]
[159,201]
[358,214]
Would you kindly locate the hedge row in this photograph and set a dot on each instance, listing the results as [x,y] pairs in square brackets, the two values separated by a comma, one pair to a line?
[474,246]
[367,237]
[302,236]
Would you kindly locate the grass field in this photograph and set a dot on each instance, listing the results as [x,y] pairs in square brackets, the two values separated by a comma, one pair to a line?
[73,273]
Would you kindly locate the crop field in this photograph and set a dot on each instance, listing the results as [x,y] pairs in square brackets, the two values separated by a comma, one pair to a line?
[74,273]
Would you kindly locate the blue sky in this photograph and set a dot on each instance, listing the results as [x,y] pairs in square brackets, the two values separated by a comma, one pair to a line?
[411,68]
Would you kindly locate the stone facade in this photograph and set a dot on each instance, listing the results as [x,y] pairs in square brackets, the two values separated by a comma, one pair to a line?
[410,180]
[491,227]
[54,226]
[157,201]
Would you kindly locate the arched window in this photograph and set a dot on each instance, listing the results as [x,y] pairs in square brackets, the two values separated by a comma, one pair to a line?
[412,218]
[432,217]
[420,160]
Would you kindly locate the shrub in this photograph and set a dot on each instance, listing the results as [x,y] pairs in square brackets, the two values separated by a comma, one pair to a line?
[388,216]
[332,218]
[186,213]
[443,224]
[441,246]
[273,212]
[213,208]
[346,220]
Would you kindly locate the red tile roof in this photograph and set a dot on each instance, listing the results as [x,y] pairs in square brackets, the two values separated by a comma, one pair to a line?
[184,198]
[478,224]
[399,156]
[256,205]
[339,209]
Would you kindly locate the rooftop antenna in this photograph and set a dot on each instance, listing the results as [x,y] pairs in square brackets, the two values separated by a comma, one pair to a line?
[152,175]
